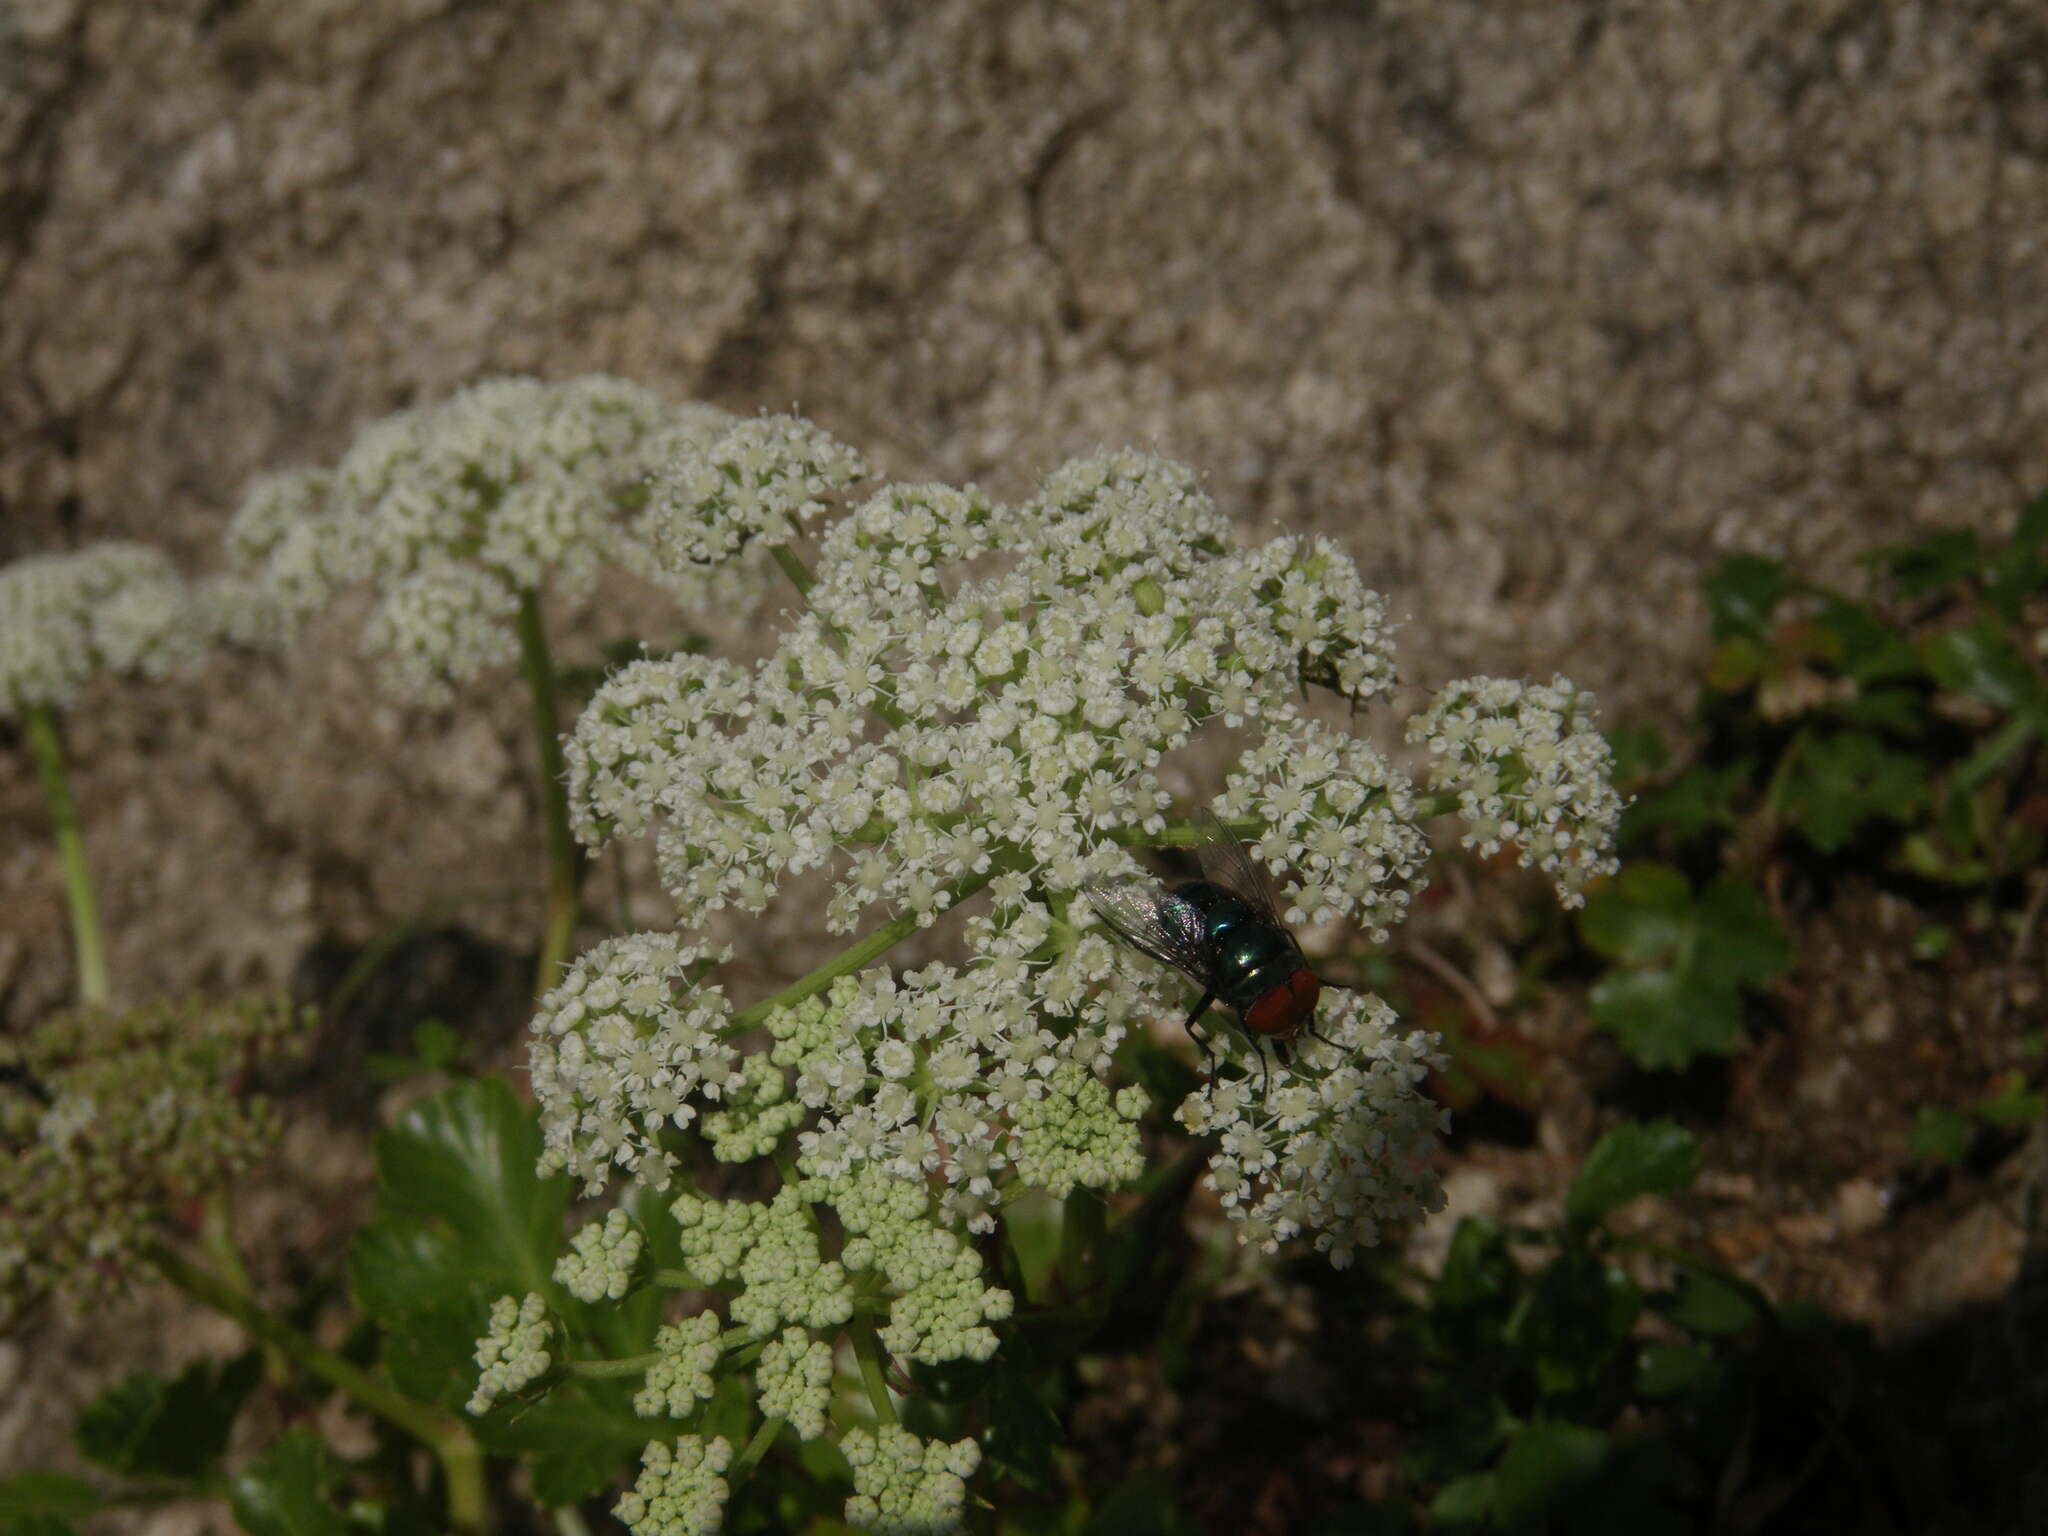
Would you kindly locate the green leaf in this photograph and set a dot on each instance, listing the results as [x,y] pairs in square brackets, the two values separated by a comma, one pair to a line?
[1978,660]
[1674,1370]
[1707,1304]
[1664,1018]
[284,1492]
[1469,1501]
[1632,1160]
[1835,782]
[1698,801]
[1742,593]
[1864,646]
[462,1219]
[1543,1464]
[464,1159]
[1929,564]
[2012,1104]
[1638,752]
[47,1495]
[1941,1134]
[36,1525]
[574,1442]
[1478,1269]
[1642,917]
[1738,937]
[146,1426]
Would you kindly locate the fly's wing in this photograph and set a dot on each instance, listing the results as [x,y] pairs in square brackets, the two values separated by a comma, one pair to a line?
[1154,921]
[1227,862]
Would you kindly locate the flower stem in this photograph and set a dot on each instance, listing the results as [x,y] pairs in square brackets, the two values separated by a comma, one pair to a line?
[565,859]
[601,1370]
[867,1349]
[451,1442]
[854,956]
[756,1447]
[798,573]
[47,747]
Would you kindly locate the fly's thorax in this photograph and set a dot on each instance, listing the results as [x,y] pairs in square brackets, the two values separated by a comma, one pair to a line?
[1250,955]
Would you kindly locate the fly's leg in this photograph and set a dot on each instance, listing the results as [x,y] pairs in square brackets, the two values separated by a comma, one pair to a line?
[1201,1039]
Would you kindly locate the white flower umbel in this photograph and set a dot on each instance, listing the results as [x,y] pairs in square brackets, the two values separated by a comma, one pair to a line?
[620,1049]
[681,1490]
[116,608]
[456,511]
[521,1348]
[975,700]
[905,1486]
[1340,1146]
[795,1381]
[1531,769]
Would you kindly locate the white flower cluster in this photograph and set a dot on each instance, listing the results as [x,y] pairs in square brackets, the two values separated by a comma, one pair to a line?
[681,1490]
[956,1077]
[680,1378]
[794,1378]
[940,1308]
[117,608]
[617,1054]
[454,511]
[771,1251]
[905,1486]
[977,698]
[519,1350]
[1529,768]
[1343,1142]
[605,1260]
[763,479]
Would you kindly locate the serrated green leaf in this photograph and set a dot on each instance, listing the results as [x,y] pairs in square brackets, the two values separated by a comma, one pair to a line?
[1632,1160]
[1941,1134]
[1738,937]
[575,1442]
[145,1426]
[1542,1465]
[1664,1018]
[1864,646]
[1701,800]
[1929,564]
[462,1219]
[1637,752]
[1978,660]
[1742,593]
[1836,781]
[464,1159]
[47,1496]
[1642,917]
[285,1491]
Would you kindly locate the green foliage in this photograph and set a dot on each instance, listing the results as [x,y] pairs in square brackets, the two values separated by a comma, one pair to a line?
[285,1491]
[1897,737]
[147,1426]
[462,1219]
[1680,961]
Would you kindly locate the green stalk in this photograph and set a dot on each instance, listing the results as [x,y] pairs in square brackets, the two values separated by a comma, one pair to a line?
[47,747]
[448,1438]
[756,1448]
[867,1349]
[854,956]
[565,859]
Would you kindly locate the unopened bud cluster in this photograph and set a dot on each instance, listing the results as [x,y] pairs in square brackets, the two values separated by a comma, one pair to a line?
[112,1123]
